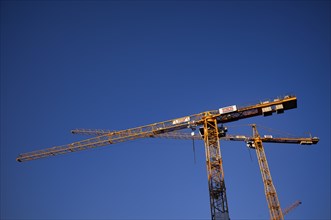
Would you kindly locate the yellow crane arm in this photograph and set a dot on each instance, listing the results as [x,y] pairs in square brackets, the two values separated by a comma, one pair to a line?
[228,137]
[223,115]
[113,138]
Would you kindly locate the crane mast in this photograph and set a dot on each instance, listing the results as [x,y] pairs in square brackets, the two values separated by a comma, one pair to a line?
[209,120]
[215,173]
[269,188]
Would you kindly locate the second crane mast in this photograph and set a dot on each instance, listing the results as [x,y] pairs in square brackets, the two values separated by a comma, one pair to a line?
[209,120]
[275,209]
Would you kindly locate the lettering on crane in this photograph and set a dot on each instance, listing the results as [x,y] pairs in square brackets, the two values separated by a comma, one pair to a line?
[228,109]
[180,120]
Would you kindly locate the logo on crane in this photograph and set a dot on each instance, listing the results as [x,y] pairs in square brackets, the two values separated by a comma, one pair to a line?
[228,109]
[181,120]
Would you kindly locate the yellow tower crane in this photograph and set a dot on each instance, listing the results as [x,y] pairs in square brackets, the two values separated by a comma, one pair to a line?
[254,142]
[211,133]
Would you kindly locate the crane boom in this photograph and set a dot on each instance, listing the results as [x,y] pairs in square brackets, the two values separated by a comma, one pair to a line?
[228,137]
[265,108]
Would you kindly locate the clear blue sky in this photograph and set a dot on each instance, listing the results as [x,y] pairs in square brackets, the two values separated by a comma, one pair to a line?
[122,64]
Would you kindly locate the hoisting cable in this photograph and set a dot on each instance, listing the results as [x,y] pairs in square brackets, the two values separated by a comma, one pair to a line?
[250,155]
[195,161]
[193,144]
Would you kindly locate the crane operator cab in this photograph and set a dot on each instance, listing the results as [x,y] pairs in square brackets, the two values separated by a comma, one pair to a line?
[250,144]
[221,131]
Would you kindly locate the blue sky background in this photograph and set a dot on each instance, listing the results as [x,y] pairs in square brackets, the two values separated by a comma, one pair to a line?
[122,64]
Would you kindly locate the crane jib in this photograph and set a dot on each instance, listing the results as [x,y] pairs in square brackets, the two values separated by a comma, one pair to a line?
[229,114]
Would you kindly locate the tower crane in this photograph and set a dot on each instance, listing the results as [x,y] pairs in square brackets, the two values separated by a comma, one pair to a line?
[254,142]
[209,121]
